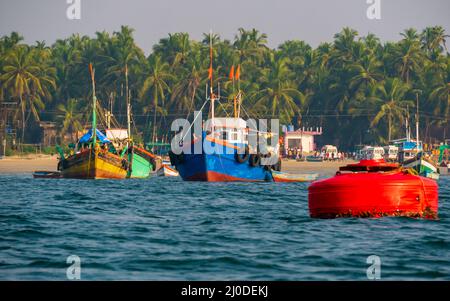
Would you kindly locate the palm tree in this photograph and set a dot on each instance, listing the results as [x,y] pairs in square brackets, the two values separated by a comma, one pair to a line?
[250,45]
[365,72]
[23,77]
[441,95]
[408,54]
[183,93]
[279,95]
[71,121]
[391,103]
[174,49]
[156,84]
[434,39]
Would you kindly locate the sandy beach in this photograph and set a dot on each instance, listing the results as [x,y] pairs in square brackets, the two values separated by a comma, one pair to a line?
[31,163]
[27,164]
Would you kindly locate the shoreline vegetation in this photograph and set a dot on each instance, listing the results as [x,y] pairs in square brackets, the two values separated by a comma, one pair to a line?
[358,89]
[29,163]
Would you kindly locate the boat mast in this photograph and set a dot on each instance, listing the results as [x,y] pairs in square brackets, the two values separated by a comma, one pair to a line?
[417,119]
[408,130]
[212,96]
[94,106]
[239,95]
[127,95]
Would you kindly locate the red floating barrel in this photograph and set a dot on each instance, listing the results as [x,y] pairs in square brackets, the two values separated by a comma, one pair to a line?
[373,188]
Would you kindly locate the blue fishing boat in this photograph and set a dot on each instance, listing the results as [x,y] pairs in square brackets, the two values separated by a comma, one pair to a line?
[226,162]
[225,153]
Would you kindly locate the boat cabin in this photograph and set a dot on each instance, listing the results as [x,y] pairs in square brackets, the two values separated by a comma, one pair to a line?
[407,149]
[232,130]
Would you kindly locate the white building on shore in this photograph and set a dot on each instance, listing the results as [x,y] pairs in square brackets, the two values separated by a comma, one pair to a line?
[302,139]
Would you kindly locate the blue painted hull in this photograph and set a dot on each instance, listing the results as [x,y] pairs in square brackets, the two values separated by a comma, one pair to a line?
[220,168]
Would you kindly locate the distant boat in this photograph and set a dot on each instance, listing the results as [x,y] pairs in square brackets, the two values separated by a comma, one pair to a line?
[411,154]
[167,171]
[422,166]
[43,174]
[279,176]
[314,158]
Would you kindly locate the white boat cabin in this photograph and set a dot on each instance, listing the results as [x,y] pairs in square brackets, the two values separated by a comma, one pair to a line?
[232,130]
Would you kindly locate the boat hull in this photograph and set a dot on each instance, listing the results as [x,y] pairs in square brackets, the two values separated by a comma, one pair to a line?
[93,165]
[142,163]
[220,168]
[43,174]
[423,168]
[167,171]
[373,195]
[292,178]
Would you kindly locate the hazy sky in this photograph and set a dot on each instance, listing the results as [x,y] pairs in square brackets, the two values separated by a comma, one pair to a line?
[314,21]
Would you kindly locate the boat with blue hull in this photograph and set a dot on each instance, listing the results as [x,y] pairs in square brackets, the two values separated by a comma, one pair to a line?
[222,152]
[225,164]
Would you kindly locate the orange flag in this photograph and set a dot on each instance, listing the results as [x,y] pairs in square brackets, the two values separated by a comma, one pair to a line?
[210,72]
[232,73]
[238,71]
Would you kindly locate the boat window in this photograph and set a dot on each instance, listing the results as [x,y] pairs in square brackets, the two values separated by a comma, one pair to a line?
[223,135]
[234,136]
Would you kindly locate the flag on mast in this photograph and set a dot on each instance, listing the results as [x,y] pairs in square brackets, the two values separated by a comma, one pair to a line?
[238,72]
[232,73]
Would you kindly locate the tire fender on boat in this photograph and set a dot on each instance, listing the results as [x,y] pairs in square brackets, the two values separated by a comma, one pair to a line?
[241,158]
[255,160]
[176,159]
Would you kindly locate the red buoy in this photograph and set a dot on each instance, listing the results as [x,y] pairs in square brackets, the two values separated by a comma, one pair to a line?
[373,188]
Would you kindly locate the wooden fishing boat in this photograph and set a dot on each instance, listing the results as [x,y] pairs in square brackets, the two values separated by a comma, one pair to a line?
[423,167]
[142,163]
[279,176]
[95,160]
[94,164]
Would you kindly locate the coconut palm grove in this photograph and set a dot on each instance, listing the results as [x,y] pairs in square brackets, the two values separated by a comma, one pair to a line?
[357,88]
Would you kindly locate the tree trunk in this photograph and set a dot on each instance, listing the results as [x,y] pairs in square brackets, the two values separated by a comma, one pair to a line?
[154,124]
[389,128]
[22,107]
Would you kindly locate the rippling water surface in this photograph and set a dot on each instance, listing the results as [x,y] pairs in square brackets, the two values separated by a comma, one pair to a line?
[167,229]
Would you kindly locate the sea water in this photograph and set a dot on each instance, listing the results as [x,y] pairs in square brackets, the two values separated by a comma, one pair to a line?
[167,229]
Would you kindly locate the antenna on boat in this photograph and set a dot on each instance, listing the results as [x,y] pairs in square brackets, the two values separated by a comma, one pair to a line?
[408,134]
[127,93]
[417,117]
[94,106]
[239,95]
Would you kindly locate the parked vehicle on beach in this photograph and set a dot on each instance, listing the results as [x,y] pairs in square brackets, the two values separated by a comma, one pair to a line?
[370,153]
[329,152]
[390,153]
